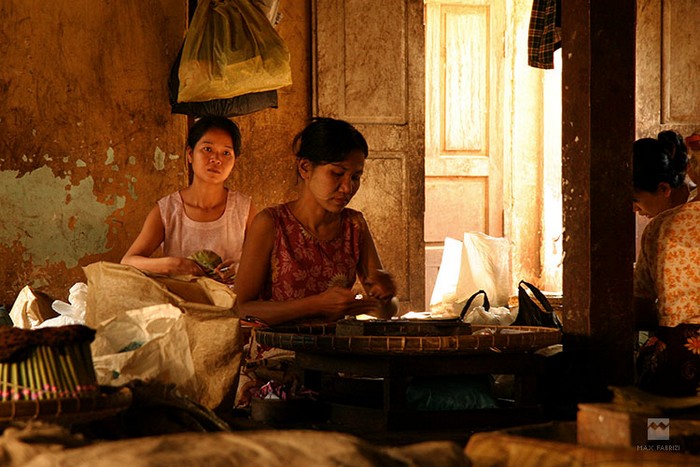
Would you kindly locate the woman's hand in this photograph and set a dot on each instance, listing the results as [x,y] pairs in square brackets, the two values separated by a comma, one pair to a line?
[337,302]
[184,266]
[380,285]
[226,271]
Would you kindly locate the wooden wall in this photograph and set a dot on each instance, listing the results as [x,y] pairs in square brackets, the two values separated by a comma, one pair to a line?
[87,139]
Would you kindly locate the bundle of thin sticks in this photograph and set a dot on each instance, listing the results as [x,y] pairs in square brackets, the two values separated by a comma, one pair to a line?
[49,363]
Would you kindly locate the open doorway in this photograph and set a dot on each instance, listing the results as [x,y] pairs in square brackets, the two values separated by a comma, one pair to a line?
[493,138]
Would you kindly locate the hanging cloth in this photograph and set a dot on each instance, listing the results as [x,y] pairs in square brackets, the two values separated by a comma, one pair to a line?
[544,35]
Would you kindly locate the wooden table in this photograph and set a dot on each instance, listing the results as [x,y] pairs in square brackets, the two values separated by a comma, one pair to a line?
[364,378]
[393,374]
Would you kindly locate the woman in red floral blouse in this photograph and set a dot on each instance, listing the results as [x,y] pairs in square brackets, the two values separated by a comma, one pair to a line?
[301,258]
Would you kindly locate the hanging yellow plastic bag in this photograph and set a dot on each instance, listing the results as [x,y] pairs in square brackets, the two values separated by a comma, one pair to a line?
[231,49]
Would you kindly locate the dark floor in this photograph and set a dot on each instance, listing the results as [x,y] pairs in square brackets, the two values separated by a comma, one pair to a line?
[456,426]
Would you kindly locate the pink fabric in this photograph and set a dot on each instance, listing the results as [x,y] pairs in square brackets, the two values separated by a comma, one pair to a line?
[302,265]
[183,236]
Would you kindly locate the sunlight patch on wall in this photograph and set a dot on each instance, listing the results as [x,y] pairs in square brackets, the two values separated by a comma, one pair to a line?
[53,219]
[552,255]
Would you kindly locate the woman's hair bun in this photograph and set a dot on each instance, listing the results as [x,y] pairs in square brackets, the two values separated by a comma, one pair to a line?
[676,148]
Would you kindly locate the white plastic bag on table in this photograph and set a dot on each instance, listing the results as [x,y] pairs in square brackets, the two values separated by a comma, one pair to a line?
[443,295]
[145,344]
[478,262]
[495,316]
[485,314]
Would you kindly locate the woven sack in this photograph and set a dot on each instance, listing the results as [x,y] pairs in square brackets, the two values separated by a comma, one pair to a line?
[211,320]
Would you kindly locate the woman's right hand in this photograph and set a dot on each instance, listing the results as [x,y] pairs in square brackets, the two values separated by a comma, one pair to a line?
[337,302]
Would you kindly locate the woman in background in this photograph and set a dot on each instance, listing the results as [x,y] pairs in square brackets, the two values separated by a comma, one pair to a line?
[302,258]
[204,216]
[667,272]
[659,171]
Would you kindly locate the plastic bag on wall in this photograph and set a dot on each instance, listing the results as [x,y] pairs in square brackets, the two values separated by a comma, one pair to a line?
[231,49]
[270,9]
[231,107]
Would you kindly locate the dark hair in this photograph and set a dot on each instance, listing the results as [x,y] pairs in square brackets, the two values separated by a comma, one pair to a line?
[205,124]
[658,160]
[327,140]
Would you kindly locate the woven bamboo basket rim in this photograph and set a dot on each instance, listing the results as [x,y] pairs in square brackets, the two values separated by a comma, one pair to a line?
[68,410]
[322,338]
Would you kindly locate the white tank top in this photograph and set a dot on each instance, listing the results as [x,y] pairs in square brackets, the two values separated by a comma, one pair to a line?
[183,236]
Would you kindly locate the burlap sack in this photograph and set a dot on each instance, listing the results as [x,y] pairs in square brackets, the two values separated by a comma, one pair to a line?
[211,320]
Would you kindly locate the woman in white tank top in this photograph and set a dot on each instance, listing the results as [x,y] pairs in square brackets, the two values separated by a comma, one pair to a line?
[205,215]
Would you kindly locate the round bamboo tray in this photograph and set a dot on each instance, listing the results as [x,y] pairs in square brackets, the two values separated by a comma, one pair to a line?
[484,339]
[66,411]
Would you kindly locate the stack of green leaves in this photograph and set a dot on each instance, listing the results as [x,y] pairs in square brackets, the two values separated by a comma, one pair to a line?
[207,260]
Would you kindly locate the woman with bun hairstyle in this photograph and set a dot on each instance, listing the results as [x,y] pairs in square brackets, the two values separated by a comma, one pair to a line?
[667,272]
[302,258]
[659,171]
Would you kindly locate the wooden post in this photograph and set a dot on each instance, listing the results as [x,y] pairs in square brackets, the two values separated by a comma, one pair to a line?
[598,105]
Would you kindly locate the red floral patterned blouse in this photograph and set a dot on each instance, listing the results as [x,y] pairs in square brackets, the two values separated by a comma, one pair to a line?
[668,267]
[302,265]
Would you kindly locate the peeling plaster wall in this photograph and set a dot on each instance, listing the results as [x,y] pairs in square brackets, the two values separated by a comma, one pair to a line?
[88,141]
[55,221]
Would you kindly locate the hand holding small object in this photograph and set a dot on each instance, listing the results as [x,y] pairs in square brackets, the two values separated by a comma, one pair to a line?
[226,271]
[380,284]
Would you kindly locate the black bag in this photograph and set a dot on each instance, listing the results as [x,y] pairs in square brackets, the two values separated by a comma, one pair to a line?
[535,311]
[486,305]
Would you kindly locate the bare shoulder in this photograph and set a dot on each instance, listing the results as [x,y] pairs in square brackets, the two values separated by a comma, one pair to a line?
[154,216]
[263,223]
[264,217]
